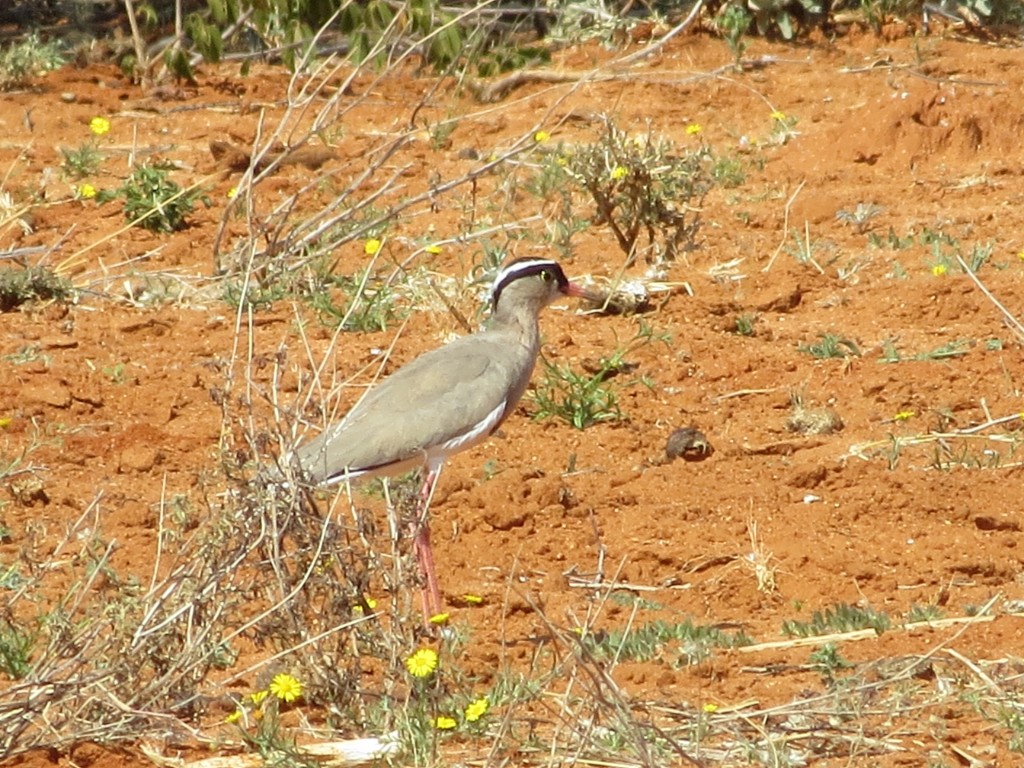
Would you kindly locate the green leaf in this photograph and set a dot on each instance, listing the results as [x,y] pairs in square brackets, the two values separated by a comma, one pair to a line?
[785,24]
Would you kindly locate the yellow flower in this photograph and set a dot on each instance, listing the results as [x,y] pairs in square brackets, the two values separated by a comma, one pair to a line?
[693,129]
[87,191]
[903,416]
[286,687]
[939,270]
[371,246]
[477,709]
[1021,255]
[422,663]
[258,697]
[710,708]
[443,723]
[541,136]
[99,125]
[234,717]
[232,193]
[473,599]
[370,603]
[619,172]
[434,249]
[440,618]
[5,422]
[778,115]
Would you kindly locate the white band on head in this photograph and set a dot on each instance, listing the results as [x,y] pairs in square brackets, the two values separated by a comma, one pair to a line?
[523,268]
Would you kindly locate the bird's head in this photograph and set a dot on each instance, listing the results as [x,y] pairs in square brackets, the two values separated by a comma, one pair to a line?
[532,282]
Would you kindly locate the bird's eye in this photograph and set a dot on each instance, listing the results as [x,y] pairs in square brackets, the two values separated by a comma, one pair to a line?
[546,276]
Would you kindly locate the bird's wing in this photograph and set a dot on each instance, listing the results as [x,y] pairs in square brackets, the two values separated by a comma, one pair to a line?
[436,399]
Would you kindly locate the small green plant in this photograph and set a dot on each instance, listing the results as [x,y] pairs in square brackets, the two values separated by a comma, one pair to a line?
[892,241]
[891,354]
[643,185]
[841,617]
[929,236]
[728,172]
[368,306]
[31,57]
[979,256]
[830,345]
[155,202]
[28,353]
[860,217]
[267,736]
[114,372]
[918,613]
[15,650]
[803,249]
[743,325]
[689,642]
[581,399]
[82,162]
[783,128]
[827,661]
[733,24]
[584,399]
[21,286]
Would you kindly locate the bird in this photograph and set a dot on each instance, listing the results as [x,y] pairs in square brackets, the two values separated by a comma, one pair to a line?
[447,400]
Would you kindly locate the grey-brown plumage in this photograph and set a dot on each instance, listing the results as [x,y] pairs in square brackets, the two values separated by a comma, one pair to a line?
[444,401]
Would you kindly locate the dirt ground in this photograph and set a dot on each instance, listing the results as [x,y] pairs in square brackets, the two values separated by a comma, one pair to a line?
[928,129]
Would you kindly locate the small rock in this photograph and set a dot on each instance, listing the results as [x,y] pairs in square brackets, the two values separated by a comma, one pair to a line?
[58,342]
[49,393]
[814,421]
[505,518]
[28,490]
[138,458]
[689,443]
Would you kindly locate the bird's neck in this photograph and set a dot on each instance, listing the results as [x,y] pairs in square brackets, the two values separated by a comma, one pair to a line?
[523,326]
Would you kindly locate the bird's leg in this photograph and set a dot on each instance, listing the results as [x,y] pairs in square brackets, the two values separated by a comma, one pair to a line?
[431,592]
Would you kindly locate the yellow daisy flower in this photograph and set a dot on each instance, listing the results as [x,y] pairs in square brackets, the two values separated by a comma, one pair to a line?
[87,191]
[939,270]
[903,416]
[444,723]
[422,663]
[258,697]
[619,172]
[99,125]
[778,115]
[541,136]
[477,709]
[286,687]
[693,129]
[433,249]
[371,246]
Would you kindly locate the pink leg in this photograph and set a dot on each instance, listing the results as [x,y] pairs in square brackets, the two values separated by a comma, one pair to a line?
[431,593]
